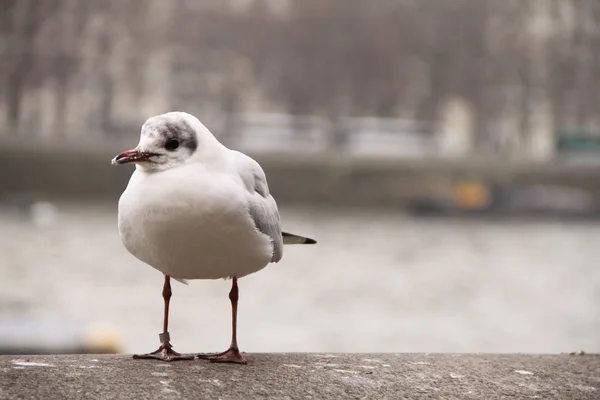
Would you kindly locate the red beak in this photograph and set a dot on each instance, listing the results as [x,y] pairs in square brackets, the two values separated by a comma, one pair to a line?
[132,156]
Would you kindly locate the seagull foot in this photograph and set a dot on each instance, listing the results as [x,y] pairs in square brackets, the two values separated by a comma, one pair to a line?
[164,353]
[231,355]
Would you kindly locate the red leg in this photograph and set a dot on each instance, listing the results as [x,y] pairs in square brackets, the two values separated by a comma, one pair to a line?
[165,352]
[231,355]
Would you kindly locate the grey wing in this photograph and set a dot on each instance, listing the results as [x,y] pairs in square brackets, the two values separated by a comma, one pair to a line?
[261,205]
[264,212]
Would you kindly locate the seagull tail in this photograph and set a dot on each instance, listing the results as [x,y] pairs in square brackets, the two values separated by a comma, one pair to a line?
[289,238]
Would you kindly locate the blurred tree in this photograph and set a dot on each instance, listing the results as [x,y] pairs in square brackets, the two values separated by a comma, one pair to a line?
[387,58]
[21,22]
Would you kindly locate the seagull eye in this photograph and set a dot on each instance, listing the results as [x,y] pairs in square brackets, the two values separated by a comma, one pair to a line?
[172,144]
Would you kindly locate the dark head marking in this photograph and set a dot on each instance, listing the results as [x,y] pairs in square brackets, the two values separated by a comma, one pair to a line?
[178,134]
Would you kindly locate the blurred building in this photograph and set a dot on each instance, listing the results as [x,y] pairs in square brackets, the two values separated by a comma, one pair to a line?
[497,77]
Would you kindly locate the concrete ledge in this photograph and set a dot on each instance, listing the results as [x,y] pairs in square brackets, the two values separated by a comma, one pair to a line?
[304,376]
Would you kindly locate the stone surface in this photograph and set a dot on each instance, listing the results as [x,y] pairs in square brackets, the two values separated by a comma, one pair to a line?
[304,376]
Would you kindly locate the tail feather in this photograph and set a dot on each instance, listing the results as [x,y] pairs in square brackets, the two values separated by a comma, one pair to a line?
[289,238]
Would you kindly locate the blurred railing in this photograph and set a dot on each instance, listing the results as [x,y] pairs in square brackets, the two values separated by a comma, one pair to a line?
[313,134]
[270,133]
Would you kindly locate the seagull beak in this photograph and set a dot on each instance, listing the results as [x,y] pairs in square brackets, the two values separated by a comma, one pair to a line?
[129,156]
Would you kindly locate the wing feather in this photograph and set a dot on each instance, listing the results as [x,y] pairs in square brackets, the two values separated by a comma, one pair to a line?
[261,205]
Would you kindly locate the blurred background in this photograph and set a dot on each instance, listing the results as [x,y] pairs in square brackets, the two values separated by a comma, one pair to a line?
[443,153]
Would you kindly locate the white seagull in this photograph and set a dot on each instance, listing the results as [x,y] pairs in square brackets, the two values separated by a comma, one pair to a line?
[194,209]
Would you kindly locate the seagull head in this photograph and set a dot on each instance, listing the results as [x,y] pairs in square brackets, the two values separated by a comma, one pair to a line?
[167,141]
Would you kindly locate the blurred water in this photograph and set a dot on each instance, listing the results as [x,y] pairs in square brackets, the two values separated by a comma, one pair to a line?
[377,281]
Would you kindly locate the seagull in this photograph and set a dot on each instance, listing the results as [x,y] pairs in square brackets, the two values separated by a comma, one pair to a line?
[195,209]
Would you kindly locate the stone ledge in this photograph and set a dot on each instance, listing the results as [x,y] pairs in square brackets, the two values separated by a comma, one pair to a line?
[304,376]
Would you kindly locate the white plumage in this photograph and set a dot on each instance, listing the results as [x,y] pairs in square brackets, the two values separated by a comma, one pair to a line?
[205,216]
[194,209]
